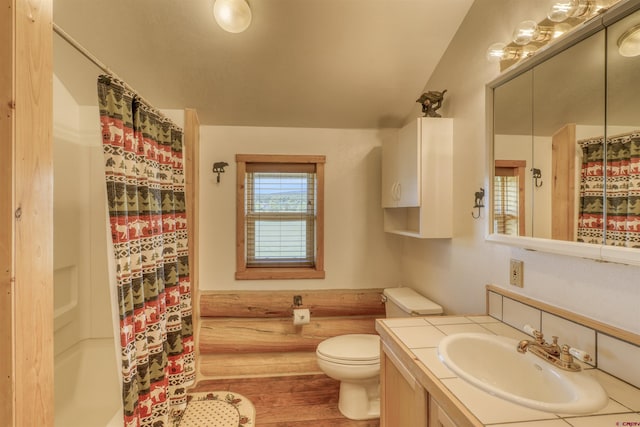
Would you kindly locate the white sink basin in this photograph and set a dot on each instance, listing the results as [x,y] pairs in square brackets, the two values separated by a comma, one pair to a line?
[493,364]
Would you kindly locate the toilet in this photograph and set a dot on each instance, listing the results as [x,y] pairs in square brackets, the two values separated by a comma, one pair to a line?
[354,359]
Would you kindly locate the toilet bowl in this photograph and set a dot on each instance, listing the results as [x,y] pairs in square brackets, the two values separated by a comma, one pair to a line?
[354,359]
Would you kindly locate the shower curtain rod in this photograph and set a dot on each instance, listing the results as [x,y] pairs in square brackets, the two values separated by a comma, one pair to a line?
[91,57]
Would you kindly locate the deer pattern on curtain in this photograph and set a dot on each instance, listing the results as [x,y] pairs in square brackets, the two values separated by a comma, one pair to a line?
[620,176]
[147,213]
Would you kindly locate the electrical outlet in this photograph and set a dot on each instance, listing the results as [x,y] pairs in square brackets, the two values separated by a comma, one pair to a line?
[515,273]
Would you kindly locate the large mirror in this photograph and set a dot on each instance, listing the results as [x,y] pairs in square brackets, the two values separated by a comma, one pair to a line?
[565,164]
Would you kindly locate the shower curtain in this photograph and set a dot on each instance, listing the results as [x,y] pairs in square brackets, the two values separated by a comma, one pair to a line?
[147,213]
[620,177]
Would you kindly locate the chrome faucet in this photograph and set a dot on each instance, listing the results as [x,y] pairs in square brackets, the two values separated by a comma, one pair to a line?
[561,356]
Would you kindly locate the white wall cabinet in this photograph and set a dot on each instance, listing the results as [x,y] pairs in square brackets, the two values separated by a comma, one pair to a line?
[417,181]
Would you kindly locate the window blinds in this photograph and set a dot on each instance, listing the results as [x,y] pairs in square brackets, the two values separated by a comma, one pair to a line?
[506,204]
[280,214]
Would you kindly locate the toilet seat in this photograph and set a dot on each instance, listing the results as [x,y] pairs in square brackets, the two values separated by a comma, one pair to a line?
[352,349]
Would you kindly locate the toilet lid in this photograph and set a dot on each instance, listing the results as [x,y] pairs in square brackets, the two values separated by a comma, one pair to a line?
[353,347]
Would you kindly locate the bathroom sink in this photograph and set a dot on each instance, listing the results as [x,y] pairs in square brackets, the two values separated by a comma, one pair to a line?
[492,363]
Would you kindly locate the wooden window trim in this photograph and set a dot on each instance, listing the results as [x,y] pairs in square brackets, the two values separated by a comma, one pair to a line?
[271,273]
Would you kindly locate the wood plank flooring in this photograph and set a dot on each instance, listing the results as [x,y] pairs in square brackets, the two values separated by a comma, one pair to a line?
[289,401]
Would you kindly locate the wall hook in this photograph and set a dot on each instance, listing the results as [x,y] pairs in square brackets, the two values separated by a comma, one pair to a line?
[218,167]
[479,203]
[537,175]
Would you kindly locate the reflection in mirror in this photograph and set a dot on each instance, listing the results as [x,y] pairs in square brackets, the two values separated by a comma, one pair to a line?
[622,216]
[539,118]
[568,107]
[582,125]
[513,151]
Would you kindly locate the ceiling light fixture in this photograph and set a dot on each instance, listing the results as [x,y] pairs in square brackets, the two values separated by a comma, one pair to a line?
[233,16]
[629,42]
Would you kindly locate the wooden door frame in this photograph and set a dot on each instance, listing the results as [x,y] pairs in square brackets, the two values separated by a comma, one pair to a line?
[26,213]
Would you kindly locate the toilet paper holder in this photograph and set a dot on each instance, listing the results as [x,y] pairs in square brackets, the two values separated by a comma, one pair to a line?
[297,300]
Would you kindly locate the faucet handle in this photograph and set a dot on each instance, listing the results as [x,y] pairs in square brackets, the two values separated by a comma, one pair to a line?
[581,355]
[534,333]
[566,360]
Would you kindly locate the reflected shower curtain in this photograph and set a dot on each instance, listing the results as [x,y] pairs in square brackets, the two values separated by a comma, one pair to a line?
[623,190]
[147,213]
[622,184]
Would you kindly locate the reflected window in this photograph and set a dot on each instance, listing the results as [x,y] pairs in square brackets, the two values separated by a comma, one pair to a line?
[508,194]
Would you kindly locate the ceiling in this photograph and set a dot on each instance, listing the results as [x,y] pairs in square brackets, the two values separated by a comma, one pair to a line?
[301,63]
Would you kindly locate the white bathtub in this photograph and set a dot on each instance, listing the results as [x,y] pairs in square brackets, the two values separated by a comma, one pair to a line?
[87,389]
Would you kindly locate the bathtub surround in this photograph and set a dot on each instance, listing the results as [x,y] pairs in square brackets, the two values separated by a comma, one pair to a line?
[147,213]
[78,402]
[84,348]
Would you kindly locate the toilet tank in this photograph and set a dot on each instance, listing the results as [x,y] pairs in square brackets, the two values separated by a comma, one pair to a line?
[405,302]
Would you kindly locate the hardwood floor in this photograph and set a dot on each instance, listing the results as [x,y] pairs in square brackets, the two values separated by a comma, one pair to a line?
[290,401]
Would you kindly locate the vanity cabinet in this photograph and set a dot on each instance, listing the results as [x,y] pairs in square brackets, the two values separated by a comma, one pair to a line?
[437,416]
[417,179]
[403,400]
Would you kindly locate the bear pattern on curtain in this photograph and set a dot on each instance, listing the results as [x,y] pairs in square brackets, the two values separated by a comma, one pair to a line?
[147,214]
[618,222]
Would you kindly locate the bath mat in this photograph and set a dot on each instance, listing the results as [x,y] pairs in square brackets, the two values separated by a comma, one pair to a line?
[216,409]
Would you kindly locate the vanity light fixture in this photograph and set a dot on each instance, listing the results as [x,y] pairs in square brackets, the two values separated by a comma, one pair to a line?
[501,52]
[583,9]
[529,35]
[562,10]
[629,42]
[233,16]
[525,32]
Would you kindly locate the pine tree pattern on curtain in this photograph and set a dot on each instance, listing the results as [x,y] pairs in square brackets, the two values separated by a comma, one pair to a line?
[147,213]
[591,217]
[623,190]
[620,176]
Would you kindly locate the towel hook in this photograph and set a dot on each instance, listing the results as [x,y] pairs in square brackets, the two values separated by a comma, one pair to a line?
[479,203]
[218,167]
[537,175]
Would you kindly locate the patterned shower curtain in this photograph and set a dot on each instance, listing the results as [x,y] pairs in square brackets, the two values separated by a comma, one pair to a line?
[621,179]
[147,213]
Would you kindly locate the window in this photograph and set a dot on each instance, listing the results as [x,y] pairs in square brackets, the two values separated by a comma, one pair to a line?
[280,217]
[508,203]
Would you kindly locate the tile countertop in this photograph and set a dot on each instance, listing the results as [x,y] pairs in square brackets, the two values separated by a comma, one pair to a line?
[414,342]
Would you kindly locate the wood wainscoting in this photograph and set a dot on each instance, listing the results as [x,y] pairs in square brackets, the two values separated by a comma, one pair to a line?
[251,333]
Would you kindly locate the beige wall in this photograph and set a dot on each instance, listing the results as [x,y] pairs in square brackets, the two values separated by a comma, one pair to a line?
[358,254]
[454,272]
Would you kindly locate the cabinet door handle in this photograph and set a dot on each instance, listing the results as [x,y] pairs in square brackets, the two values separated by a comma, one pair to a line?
[396,191]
